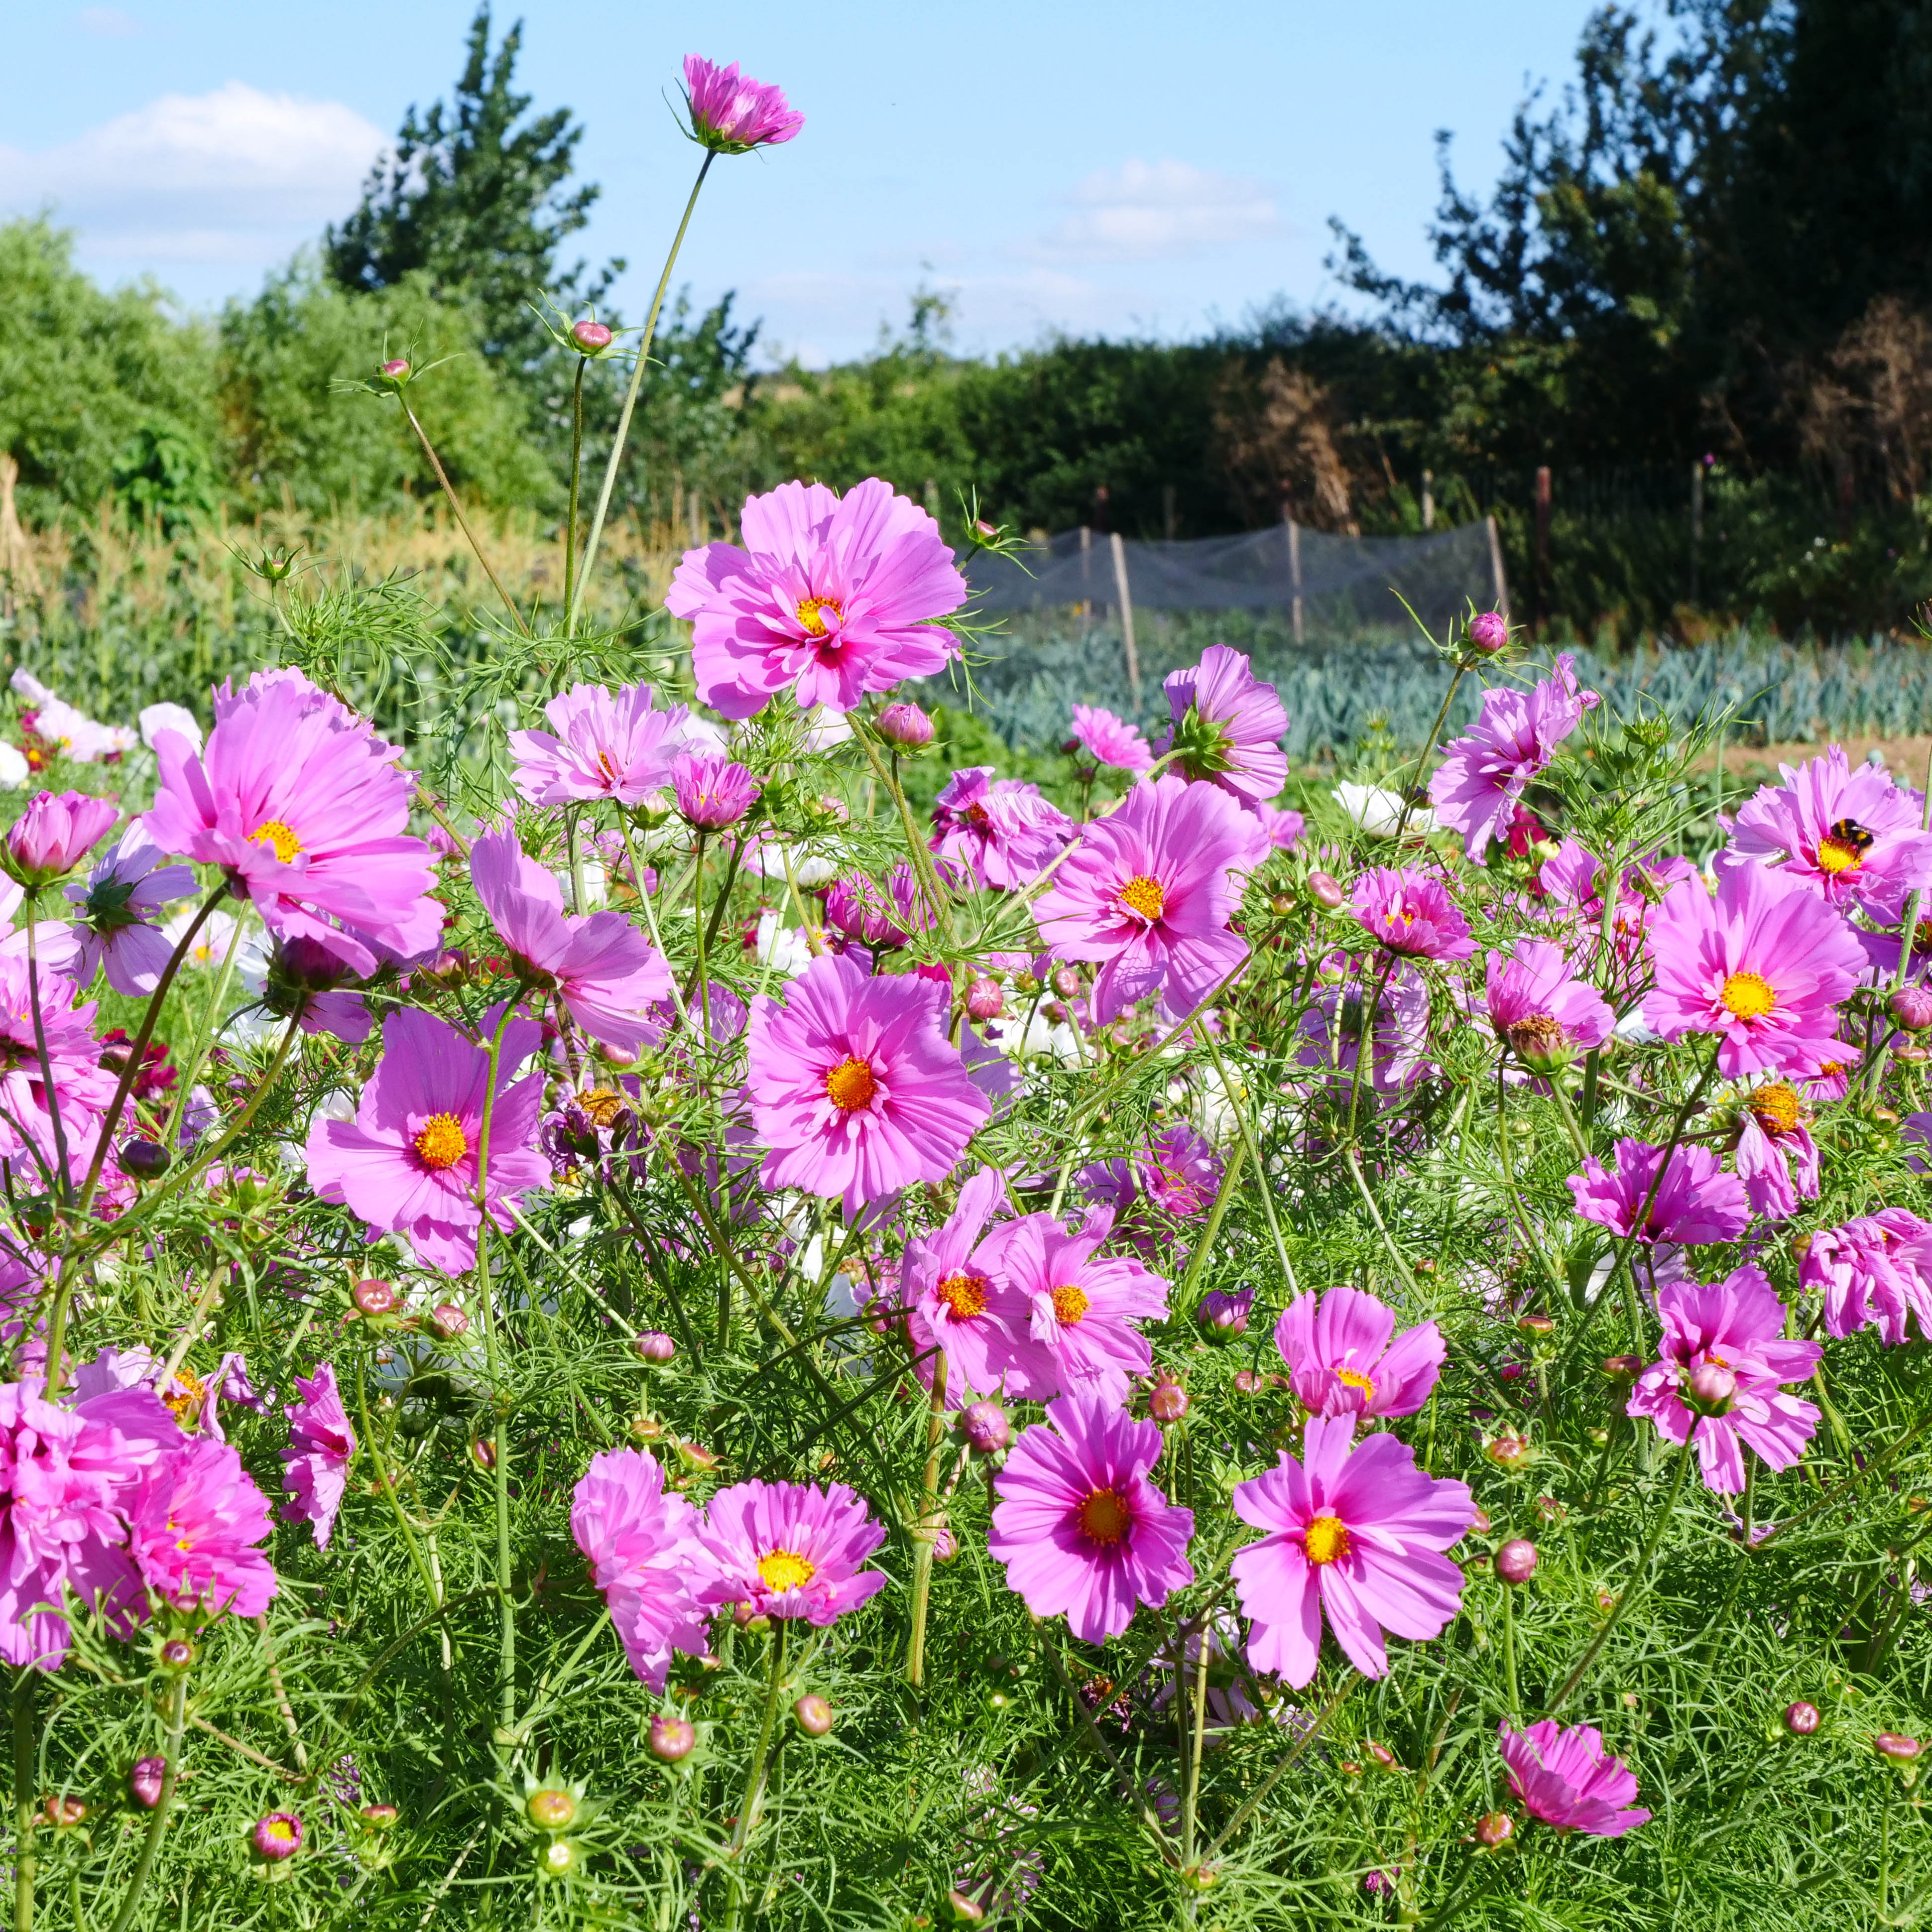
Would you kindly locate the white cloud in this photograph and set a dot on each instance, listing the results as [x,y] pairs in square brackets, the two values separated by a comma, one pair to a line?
[1149,211]
[235,175]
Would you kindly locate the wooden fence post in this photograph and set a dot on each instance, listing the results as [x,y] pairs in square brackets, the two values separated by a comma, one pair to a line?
[1696,522]
[1428,500]
[1543,586]
[1125,592]
[1499,582]
[1295,571]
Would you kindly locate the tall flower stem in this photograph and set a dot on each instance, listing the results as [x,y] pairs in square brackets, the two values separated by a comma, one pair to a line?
[754,1780]
[462,521]
[1198,1260]
[1248,1140]
[209,1018]
[1194,1737]
[611,468]
[926,1530]
[1428,750]
[1509,1653]
[157,1825]
[26,1683]
[920,854]
[699,977]
[576,479]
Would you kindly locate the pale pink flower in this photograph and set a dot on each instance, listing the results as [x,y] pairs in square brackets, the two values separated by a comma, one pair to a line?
[645,1557]
[1109,740]
[321,1445]
[999,832]
[603,744]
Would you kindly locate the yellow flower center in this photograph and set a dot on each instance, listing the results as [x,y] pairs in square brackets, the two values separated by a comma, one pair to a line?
[1774,1108]
[850,1085]
[965,1295]
[602,1105]
[606,768]
[441,1142]
[1747,996]
[1843,848]
[786,1569]
[273,832]
[1069,1303]
[1327,1539]
[1144,896]
[1104,1516]
[1356,1381]
[186,1396]
[280,1830]
[808,609]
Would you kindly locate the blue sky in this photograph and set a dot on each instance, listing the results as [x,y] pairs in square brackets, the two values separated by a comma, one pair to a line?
[1129,169]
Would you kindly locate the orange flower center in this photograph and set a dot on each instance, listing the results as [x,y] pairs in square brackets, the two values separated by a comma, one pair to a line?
[1747,996]
[1356,1381]
[186,1396]
[1069,1303]
[1144,896]
[965,1295]
[1327,1539]
[1843,848]
[808,614]
[786,1569]
[602,1104]
[1774,1108]
[606,768]
[273,832]
[441,1142]
[850,1085]
[1104,1516]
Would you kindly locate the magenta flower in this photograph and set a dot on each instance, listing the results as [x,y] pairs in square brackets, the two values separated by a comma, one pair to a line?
[1181,1172]
[1109,740]
[1564,1776]
[83,1089]
[854,1087]
[887,915]
[789,1549]
[1411,912]
[1082,1531]
[731,113]
[277,1837]
[1476,787]
[407,1161]
[55,833]
[1763,965]
[306,811]
[1544,1014]
[603,970]
[193,1526]
[831,597]
[1737,1327]
[1341,1360]
[614,745]
[1331,1028]
[1877,1268]
[957,1299]
[1227,725]
[1354,1532]
[321,1445]
[1850,832]
[999,832]
[1149,892]
[128,885]
[644,1557]
[1284,828]
[1778,1159]
[712,791]
[1696,1202]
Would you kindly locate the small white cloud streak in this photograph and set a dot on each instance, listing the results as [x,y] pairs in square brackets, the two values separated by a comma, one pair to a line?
[1153,211]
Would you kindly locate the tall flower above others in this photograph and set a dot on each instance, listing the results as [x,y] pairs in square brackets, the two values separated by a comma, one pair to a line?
[605,971]
[789,1549]
[1354,1530]
[1563,1775]
[115,927]
[193,1527]
[408,1161]
[831,597]
[1410,911]
[1082,1531]
[1341,1359]
[1876,1268]
[1696,1202]
[644,1557]
[321,1445]
[959,1301]
[1763,965]
[1227,725]
[1851,832]
[731,113]
[1544,1014]
[614,745]
[1735,1328]
[854,1086]
[1149,892]
[307,812]
[1481,777]
[1000,832]
[1109,740]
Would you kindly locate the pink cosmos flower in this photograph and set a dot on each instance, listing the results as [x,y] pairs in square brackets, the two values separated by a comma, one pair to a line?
[732,114]
[1696,1202]
[1763,965]
[604,744]
[1284,828]
[306,811]
[1411,912]
[789,1549]
[605,972]
[1738,1326]
[712,791]
[1227,725]
[1778,1159]
[831,598]
[1331,1028]
[128,885]
[1109,740]
[1540,1011]
[1001,832]
[1876,1268]
[321,1445]
[1149,892]
[854,1087]
[888,915]
[306,982]
[1181,1172]
[1082,1531]
[1563,1775]
[1851,832]
[1571,883]
[644,1557]
[82,1088]
[1481,777]
[56,832]
[959,1301]
[1341,1360]
[1082,1306]
[192,1525]
[1354,1532]
[407,1161]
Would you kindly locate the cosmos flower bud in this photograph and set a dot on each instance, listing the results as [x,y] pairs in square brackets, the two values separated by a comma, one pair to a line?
[278,1836]
[1384,1756]
[1896,1748]
[393,374]
[964,1911]
[654,1346]
[672,1739]
[558,1858]
[984,1427]
[589,338]
[1911,1006]
[553,1808]
[380,1817]
[1224,1314]
[1067,982]
[985,1000]
[449,1321]
[906,726]
[813,1714]
[1516,1561]
[1508,1450]
[1325,889]
[177,1654]
[1623,1368]
[143,1160]
[1710,1387]
[62,1811]
[945,1544]
[374,1297]
[1538,1325]
[55,833]
[1167,1401]
[144,1781]
[1489,631]
[1801,1719]
[1494,1828]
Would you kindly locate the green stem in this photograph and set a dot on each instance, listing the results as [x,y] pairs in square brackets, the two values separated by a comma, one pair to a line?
[1184,1299]
[463,522]
[1190,1796]
[388,1489]
[925,1530]
[920,852]
[1428,749]
[157,1825]
[26,1683]
[755,1782]
[205,1024]
[576,478]
[1509,1652]
[1248,1141]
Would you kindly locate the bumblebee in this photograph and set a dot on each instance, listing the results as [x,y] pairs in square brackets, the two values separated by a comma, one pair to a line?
[1850,834]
